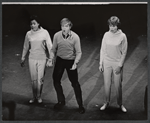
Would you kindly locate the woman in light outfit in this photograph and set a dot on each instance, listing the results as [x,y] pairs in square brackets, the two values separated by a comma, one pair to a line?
[38,40]
[112,56]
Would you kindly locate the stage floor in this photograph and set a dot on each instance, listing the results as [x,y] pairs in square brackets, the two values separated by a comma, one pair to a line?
[16,84]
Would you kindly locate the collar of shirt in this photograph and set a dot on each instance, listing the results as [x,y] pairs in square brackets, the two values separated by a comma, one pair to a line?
[40,29]
[68,35]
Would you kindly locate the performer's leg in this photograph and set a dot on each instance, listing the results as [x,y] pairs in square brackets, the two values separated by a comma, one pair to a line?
[118,86]
[73,77]
[41,69]
[33,73]
[107,84]
[57,75]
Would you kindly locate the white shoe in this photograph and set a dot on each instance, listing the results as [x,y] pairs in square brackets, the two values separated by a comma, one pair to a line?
[31,101]
[39,100]
[123,109]
[104,106]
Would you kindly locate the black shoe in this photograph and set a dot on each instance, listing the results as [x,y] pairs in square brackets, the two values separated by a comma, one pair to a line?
[59,105]
[81,110]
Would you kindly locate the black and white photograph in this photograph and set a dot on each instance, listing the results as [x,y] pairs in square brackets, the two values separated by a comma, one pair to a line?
[74,61]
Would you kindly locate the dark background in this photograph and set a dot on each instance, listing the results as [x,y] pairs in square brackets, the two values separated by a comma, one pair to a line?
[86,19]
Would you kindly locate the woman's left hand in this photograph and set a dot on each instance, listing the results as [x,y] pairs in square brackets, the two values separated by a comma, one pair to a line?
[118,70]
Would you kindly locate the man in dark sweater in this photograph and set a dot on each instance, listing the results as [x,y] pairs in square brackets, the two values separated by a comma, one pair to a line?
[67,50]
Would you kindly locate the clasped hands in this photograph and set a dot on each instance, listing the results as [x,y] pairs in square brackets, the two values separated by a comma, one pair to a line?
[49,63]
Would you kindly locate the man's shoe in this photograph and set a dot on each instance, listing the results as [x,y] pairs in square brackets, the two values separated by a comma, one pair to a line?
[81,110]
[104,106]
[59,105]
[123,109]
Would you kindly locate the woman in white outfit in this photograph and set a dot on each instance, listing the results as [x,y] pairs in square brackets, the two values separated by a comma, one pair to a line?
[38,40]
[112,56]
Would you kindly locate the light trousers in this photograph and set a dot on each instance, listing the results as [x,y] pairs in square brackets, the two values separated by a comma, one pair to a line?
[109,76]
[37,70]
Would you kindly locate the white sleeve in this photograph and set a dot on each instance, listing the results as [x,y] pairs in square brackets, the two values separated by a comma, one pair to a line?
[25,47]
[102,50]
[124,47]
[48,42]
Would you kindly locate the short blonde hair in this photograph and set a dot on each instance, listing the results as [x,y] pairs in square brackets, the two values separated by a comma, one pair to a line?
[66,20]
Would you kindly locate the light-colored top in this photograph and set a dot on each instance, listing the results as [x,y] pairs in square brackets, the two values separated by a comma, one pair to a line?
[37,41]
[69,49]
[114,47]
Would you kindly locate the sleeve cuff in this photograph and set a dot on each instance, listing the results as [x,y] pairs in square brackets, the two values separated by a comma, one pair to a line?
[76,61]
[22,58]
[120,65]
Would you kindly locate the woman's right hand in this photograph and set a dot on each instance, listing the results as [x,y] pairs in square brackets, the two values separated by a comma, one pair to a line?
[22,63]
[101,68]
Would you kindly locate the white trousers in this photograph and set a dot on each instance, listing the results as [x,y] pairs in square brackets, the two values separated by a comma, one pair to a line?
[37,69]
[109,76]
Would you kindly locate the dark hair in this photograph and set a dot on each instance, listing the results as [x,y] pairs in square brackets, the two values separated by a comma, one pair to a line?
[114,20]
[66,20]
[35,17]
